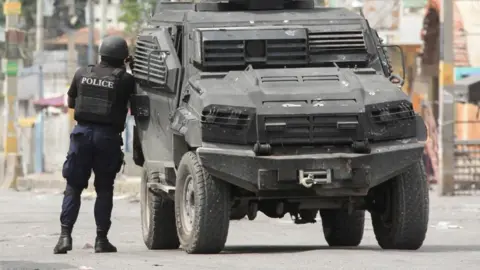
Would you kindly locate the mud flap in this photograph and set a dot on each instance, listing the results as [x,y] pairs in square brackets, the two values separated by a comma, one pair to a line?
[140,105]
[138,157]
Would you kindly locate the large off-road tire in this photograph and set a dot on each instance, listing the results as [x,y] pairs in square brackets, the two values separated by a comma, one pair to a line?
[202,208]
[158,219]
[341,229]
[401,221]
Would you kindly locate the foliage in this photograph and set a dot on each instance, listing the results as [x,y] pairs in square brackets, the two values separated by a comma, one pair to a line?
[29,8]
[134,14]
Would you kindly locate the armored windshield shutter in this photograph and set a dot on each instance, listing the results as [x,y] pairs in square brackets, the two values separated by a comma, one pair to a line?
[149,61]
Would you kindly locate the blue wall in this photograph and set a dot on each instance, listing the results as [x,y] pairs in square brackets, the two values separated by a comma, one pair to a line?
[461,72]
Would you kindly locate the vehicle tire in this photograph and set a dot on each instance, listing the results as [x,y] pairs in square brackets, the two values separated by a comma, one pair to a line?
[342,229]
[401,222]
[158,219]
[202,208]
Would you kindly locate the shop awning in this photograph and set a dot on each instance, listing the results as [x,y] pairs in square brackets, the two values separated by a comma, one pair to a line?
[58,102]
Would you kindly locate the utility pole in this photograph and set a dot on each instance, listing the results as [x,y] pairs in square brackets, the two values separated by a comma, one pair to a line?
[446,119]
[72,65]
[72,58]
[40,29]
[91,33]
[103,18]
[39,127]
[11,62]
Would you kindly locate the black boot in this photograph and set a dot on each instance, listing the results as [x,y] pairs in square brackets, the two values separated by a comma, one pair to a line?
[65,241]
[102,245]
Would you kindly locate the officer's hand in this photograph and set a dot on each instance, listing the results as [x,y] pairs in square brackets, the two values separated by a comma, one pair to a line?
[129,61]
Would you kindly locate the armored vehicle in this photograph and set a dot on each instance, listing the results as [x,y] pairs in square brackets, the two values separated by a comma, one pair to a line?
[278,107]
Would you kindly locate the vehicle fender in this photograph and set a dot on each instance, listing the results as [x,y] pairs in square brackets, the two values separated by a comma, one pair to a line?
[422,132]
[187,133]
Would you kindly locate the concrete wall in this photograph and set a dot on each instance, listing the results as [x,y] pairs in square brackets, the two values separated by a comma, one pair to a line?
[56,141]
[469,10]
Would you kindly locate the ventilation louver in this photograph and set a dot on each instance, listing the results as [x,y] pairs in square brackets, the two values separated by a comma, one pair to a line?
[337,46]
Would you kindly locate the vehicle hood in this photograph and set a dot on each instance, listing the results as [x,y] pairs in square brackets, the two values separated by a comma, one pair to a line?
[301,90]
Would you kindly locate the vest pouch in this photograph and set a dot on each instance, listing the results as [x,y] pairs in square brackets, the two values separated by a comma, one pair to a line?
[97,101]
[96,98]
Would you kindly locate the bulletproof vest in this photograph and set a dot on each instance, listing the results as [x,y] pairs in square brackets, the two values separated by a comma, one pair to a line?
[96,100]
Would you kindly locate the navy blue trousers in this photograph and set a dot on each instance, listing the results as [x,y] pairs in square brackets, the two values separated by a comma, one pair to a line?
[92,148]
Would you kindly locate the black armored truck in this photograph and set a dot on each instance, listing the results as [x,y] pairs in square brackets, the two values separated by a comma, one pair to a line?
[278,107]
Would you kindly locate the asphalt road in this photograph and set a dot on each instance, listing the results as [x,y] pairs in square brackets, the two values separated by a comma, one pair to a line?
[29,226]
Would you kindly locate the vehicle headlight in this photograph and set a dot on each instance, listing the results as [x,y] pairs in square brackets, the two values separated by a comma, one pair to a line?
[392,120]
[228,124]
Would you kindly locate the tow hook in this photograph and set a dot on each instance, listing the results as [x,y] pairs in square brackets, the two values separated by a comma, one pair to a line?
[310,178]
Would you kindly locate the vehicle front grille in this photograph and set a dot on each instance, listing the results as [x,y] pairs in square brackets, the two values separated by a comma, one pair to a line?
[319,129]
[299,79]
[274,52]
[224,52]
[287,51]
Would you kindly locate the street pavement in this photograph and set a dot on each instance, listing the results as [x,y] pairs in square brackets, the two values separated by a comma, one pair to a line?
[29,226]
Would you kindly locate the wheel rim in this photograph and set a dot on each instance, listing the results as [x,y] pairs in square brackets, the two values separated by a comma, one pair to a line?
[188,204]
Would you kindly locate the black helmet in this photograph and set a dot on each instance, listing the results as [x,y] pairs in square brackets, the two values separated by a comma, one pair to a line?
[114,47]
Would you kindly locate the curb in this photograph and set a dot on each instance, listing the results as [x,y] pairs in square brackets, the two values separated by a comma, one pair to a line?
[121,186]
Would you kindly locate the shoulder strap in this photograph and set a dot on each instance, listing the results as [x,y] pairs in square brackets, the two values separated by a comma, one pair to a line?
[118,72]
[90,69]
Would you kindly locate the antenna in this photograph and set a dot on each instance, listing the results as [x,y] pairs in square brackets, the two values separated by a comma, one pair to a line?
[336,65]
[361,13]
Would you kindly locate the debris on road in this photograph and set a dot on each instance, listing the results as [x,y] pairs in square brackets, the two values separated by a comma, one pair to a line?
[444,225]
[87,246]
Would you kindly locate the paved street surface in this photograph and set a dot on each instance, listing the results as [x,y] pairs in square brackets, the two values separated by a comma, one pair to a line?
[29,226]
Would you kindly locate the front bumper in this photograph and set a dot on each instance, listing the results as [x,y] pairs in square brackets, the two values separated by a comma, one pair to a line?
[351,173]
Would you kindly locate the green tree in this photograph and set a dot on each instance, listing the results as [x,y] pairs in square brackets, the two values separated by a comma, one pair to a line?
[134,14]
[29,9]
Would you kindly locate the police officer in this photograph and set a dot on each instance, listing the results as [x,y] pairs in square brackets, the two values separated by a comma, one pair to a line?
[99,94]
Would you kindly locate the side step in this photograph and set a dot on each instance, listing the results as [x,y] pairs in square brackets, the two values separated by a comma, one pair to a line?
[155,186]
[163,183]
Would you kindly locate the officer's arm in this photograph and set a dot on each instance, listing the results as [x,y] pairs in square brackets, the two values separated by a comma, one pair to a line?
[131,90]
[71,102]
[72,92]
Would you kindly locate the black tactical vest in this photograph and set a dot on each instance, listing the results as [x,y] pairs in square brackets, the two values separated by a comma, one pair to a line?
[96,100]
